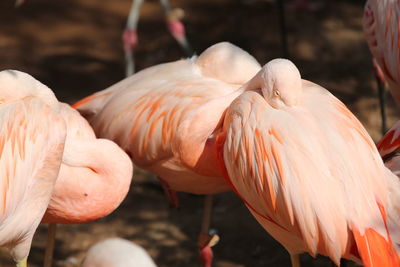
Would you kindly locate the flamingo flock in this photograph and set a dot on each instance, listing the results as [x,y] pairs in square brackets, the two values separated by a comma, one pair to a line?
[301,162]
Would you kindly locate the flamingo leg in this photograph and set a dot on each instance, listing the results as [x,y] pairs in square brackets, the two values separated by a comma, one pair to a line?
[206,241]
[283,28]
[295,259]
[175,26]
[51,236]
[170,194]
[380,80]
[130,38]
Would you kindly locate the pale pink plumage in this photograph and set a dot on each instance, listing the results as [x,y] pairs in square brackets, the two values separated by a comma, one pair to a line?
[32,135]
[165,116]
[90,167]
[381,24]
[308,170]
[143,112]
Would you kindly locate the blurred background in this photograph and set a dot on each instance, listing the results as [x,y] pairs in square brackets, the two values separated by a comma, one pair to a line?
[75,48]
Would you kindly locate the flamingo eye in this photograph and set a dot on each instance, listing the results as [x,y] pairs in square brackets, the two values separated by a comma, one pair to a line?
[277,93]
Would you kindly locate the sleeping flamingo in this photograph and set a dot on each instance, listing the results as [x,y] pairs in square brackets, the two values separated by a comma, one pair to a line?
[142,114]
[90,167]
[32,135]
[308,171]
[117,252]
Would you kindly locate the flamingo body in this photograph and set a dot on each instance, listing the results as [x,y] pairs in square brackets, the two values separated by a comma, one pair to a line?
[308,170]
[90,167]
[381,27]
[32,135]
[143,112]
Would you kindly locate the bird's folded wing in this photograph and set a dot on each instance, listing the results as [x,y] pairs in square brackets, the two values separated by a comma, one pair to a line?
[32,138]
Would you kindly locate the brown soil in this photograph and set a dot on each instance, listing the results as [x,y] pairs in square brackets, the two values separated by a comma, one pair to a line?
[75,48]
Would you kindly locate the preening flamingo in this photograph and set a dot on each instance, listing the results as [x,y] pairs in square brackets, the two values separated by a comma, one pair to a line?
[94,178]
[308,170]
[143,112]
[130,38]
[32,135]
[117,252]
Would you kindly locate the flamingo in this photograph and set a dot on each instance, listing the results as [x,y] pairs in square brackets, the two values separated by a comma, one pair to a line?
[381,27]
[308,171]
[142,114]
[130,38]
[90,167]
[32,135]
[117,252]
[389,147]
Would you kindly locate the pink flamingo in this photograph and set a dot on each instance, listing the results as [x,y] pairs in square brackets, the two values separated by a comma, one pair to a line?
[117,252]
[90,167]
[143,112]
[381,27]
[308,171]
[32,135]
[389,147]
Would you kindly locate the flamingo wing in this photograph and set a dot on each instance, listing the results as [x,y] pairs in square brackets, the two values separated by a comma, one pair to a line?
[142,115]
[32,136]
[297,171]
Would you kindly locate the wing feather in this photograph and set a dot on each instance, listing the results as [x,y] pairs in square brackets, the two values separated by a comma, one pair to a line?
[31,138]
[310,183]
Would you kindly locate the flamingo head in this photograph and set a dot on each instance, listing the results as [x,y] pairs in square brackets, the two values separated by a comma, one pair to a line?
[281,83]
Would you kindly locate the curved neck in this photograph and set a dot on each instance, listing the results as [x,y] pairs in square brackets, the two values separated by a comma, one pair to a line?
[195,143]
[94,179]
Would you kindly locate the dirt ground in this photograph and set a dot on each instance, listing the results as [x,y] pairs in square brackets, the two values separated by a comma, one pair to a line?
[75,48]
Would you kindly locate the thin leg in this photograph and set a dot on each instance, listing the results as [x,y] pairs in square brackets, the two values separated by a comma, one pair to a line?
[295,259]
[175,26]
[130,38]
[206,241]
[283,29]
[51,236]
[171,195]
[382,93]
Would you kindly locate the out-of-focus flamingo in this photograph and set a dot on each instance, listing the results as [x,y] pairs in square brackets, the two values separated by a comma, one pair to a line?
[94,178]
[143,112]
[381,27]
[130,38]
[117,252]
[389,148]
[32,135]
[19,2]
[308,170]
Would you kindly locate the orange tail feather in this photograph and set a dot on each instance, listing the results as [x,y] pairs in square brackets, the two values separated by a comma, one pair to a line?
[83,101]
[375,250]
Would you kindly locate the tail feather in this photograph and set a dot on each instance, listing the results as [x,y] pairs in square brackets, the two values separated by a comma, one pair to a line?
[83,101]
[93,104]
[375,250]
